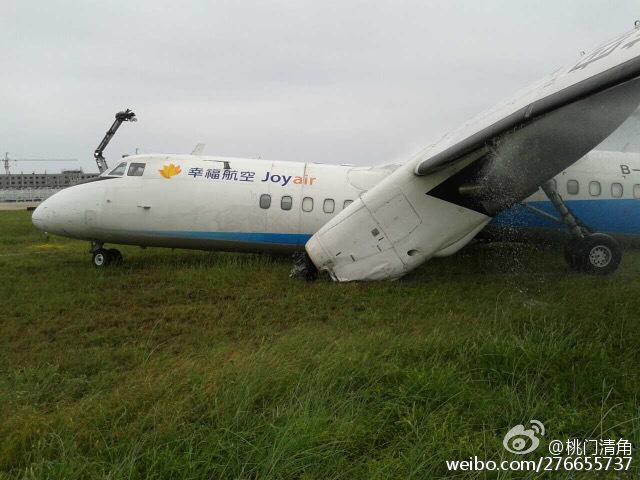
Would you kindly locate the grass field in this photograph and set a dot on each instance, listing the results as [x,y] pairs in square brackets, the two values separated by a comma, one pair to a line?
[188,365]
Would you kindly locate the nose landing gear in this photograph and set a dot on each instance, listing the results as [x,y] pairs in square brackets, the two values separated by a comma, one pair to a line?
[102,257]
[586,251]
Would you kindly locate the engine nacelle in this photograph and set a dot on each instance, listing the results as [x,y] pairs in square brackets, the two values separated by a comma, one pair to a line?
[392,229]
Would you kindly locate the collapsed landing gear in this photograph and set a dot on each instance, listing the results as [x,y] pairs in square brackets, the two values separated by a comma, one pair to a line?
[102,257]
[303,267]
[588,252]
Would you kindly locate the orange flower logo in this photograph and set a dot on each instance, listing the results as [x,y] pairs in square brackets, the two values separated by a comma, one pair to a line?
[170,170]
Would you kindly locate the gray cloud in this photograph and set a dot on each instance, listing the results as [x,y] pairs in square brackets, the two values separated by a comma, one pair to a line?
[333,81]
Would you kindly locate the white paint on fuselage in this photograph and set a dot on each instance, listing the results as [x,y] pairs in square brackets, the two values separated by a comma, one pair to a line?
[206,206]
[189,210]
[606,168]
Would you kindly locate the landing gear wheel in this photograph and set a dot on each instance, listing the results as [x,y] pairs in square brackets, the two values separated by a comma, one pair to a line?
[101,258]
[594,253]
[115,256]
[597,253]
[601,254]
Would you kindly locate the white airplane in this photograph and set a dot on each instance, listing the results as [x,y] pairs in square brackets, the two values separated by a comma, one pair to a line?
[375,223]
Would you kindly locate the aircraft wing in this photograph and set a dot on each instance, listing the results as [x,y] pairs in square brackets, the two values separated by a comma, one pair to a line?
[436,202]
[610,64]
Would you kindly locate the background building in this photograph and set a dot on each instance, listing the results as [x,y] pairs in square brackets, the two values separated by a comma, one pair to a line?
[35,187]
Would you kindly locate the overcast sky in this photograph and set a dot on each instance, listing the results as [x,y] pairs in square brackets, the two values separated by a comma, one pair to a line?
[361,82]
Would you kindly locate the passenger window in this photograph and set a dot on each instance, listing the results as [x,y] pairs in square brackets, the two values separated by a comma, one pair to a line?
[136,169]
[329,205]
[636,191]
[346,203]
[265,201]
[595,189]
[119,170]
[616,190]
[286,202]
[307,204]
[573,187]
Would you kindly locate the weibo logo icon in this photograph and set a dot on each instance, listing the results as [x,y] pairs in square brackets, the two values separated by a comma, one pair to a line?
[170,170]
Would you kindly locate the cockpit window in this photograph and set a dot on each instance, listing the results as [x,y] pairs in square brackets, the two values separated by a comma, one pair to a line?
[136,169]
[119,170]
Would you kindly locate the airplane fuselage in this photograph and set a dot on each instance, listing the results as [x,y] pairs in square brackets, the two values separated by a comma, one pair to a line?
[214,203]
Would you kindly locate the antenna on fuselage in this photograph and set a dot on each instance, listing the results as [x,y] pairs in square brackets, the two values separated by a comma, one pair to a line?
[225,163]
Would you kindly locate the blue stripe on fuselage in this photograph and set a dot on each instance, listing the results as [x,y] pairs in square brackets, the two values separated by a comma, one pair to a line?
[244,237]
[608,216]
[616,216]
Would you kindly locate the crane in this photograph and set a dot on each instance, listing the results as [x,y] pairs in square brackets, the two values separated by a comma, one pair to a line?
[123,116]
[7,161]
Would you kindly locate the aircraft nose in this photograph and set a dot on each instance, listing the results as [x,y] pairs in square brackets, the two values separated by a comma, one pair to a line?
[65,212]
[40,216]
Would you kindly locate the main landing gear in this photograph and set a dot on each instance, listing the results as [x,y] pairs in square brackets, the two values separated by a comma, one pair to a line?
[303,267]
[103,257]
[586,251]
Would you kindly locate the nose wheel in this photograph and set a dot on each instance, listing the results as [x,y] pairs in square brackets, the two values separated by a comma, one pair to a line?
[588,252]
[103,257]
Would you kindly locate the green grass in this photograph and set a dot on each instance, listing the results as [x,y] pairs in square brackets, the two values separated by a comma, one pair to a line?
[188,365]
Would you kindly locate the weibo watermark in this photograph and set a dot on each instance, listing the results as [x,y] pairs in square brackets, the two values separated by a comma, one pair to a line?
[572,454]
[520,440]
